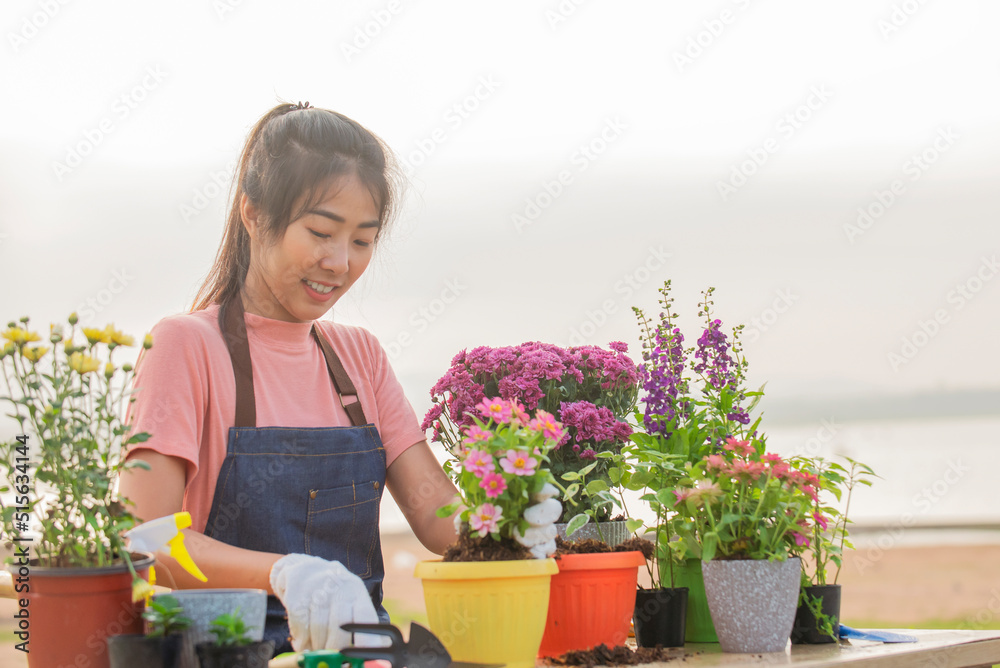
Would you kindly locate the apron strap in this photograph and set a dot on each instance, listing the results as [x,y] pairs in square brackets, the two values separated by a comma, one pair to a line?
[234,331]
[341,381]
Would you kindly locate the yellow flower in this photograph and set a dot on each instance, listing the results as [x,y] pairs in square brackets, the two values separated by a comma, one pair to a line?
[35,353]
[8,349]
[118,338]
[141,590]
[19,336]
[83,363]
[95,335]
[147,342]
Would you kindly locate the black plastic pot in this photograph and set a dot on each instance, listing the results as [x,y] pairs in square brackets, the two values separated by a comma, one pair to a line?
[132,650]
[805,631]
[659,617]
[254,655]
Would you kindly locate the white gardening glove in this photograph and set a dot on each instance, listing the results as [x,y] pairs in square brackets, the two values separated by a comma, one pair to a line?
[319,596]
[540,537]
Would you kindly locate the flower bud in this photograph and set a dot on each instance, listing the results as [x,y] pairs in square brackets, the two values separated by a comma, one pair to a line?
[109,370]
[126,367]
[24,319]
[55,333]
[73,319]
[147,342]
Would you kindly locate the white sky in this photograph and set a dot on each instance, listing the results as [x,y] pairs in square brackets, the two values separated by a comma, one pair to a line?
[599,247]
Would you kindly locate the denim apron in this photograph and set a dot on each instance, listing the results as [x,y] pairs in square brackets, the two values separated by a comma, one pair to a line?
[299,490]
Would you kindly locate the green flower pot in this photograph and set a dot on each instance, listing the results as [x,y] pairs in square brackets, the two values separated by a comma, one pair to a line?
[699,619]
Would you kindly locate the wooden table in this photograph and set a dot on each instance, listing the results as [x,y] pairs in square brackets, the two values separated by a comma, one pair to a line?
[934,649]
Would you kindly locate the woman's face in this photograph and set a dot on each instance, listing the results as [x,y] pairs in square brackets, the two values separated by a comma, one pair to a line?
[320,256]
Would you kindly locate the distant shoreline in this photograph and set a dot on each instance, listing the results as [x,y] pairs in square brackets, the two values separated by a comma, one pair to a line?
[920,406]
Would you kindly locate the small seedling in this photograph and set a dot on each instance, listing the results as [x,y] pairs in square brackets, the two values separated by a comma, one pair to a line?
[230,630]
[165,617]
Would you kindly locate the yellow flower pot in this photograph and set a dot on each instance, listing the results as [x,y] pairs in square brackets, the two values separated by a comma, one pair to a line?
[488,611]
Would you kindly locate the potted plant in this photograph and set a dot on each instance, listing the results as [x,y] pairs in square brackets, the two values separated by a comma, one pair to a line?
[693,399]
[744,512]
[588,389]
[160,647]
[488,598]
[68,397]
[817,619]
[233,647]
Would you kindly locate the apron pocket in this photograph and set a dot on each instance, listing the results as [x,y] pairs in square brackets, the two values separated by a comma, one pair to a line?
[342,525]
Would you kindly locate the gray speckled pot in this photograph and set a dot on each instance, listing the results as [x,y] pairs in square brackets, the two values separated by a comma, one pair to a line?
[752,602]
[204,605]
[613,532]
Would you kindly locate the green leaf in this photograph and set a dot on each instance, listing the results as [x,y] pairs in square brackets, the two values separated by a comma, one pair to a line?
[576,524]
[570,476]
[666,497]
[447,511]
[633,525]
[708,546]
[597,486]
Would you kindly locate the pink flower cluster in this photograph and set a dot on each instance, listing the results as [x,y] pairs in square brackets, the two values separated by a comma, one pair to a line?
[494,467]
[527,373]
[482,464]
[593,424]
[745,466]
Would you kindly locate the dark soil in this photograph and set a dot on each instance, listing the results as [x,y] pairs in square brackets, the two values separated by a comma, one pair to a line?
[636,544]
[592,546]
[602,655]
[473,548]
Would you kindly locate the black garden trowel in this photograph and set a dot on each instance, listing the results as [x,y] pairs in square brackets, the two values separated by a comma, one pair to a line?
[423,651]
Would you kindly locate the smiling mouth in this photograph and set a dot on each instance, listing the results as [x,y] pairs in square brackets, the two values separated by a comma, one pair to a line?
[319,287]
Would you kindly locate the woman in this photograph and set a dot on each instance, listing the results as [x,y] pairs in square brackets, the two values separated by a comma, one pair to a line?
[276,430]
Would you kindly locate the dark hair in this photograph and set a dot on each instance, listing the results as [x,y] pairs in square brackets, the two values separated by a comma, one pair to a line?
[294,151]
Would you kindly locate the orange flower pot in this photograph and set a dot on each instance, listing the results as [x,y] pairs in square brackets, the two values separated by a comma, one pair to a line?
[591,601]
[74,610]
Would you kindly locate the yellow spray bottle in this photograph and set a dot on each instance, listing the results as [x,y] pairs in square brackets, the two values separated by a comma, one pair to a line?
[165,532]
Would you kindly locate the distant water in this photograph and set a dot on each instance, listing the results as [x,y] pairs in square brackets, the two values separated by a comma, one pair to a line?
[935,473]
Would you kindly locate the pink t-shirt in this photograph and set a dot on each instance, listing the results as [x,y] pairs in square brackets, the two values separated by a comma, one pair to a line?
[185,391]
